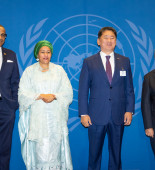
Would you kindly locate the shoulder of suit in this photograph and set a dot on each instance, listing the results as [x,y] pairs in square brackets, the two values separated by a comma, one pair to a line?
[8,50]
[150,74]
[92,57]
[98,54]
[121,56]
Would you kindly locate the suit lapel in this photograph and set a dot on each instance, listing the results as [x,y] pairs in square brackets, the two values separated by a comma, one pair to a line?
[101,68]
[4,55]
[117,68]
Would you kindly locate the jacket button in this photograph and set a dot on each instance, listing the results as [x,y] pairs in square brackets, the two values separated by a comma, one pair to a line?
[109,99]
[110,87]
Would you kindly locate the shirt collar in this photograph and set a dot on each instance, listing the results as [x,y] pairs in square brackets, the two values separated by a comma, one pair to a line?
[104,54]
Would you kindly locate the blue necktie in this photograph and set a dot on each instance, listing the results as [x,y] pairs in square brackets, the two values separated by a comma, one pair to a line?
[108,69]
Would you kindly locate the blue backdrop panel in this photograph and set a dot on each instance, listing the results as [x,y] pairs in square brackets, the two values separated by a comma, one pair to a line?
[72,27]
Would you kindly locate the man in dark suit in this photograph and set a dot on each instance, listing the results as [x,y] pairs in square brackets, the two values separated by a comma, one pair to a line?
[106,99]
[148,106]
[9,80]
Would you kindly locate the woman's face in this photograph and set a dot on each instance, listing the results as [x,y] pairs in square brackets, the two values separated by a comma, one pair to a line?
[44,55]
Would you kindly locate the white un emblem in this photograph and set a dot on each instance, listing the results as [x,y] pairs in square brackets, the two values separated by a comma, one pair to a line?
[74,39]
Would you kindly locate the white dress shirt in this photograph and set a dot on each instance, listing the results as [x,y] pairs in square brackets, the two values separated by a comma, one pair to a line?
[111,60]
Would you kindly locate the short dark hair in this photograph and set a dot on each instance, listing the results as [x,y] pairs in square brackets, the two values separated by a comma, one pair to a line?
[105,29]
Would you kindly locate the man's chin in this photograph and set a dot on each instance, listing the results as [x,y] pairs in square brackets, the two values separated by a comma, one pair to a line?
[1,44]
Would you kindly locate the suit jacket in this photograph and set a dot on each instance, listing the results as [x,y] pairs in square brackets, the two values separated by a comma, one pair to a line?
[148,100]
[9,80]
[100,99]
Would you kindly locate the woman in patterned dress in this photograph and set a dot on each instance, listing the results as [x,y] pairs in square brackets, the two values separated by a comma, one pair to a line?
[45,94]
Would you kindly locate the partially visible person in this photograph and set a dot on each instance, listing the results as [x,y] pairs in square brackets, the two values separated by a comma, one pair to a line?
[45,94]
[9,81]
[148,106]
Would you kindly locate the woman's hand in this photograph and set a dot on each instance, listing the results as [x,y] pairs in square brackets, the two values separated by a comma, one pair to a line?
[47,98]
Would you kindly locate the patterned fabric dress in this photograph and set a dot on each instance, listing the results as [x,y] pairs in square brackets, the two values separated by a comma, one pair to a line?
[43,126]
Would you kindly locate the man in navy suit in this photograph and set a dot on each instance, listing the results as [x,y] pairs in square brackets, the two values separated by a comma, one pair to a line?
[106,99]
[9,80]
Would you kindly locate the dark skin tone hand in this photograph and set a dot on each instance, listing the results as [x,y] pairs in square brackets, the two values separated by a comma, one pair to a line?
[47,98]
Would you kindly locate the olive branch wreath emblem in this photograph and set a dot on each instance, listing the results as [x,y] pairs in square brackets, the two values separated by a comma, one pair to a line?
[27,44]
[143,43]
[145,48]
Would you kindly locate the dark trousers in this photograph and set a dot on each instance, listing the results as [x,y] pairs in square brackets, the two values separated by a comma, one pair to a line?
[6,128]
[96,135]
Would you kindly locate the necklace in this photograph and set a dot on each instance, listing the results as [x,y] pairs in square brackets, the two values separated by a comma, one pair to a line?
[43,69]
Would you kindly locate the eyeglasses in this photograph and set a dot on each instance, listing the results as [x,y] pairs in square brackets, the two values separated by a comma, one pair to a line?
[3,35]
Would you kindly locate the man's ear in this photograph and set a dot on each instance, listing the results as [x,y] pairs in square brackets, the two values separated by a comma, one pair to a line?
[98,42]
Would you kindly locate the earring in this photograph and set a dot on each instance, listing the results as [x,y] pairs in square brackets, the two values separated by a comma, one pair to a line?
[37,59]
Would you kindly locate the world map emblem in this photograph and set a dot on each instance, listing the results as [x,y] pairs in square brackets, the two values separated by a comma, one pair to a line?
[74,39]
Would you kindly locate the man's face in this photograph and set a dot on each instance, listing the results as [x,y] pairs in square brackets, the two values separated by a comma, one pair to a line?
[2,36]
[107,41]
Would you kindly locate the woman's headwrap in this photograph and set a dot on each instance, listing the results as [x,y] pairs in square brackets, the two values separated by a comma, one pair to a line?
[41,44]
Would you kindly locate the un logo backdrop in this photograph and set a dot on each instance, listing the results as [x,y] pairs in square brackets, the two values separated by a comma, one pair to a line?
[74,39]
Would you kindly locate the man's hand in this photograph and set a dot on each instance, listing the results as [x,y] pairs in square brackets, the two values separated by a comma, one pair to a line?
[127,118]
[86,121]
[149,132]
[47,98]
